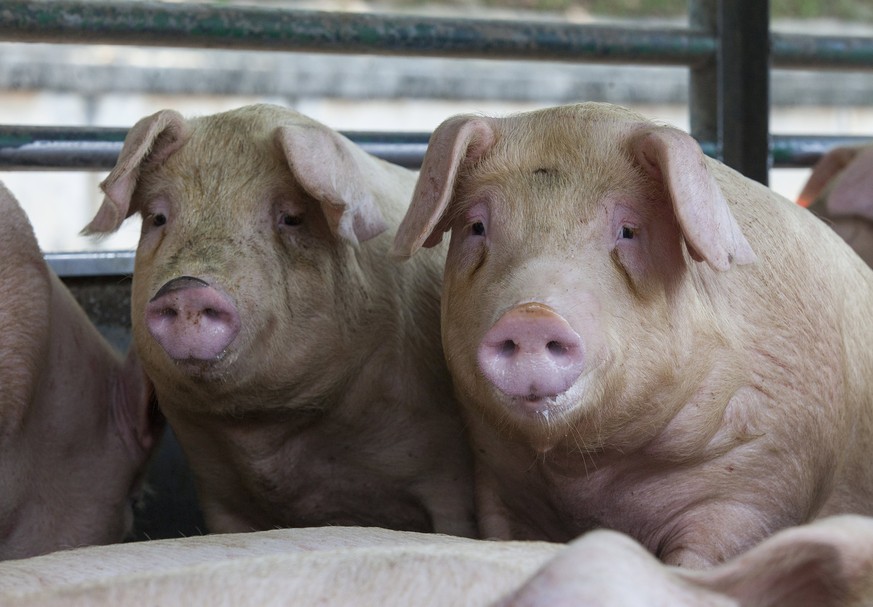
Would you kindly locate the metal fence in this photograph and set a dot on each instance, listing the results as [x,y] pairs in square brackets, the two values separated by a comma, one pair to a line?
[727,46]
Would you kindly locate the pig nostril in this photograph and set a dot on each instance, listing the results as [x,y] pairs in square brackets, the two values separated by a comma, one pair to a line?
[556,348]
[169,312]
[210,312]
[507,348]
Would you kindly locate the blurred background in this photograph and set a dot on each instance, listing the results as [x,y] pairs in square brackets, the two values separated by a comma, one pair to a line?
[114,86]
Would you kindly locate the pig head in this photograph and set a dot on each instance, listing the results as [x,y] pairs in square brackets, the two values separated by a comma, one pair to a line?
[75,422]
[639,336]
[298,365]
[840,191]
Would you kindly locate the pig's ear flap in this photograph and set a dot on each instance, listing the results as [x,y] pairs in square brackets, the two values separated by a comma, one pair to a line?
[137,415]
[710,230]
[829,562]
[852,194]
[458,140]
[151,139]
[827,167]
[347,181]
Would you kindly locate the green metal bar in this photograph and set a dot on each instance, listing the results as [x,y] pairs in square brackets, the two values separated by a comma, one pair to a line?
[25,148]
[821,52]
[233,27]
[92,148]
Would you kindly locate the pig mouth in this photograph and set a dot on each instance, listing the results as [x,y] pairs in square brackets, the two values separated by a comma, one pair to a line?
[536,405]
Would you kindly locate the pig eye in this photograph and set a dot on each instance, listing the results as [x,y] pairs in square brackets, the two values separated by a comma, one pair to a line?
[287,219]
[478,229]
[159,219]
[628,232]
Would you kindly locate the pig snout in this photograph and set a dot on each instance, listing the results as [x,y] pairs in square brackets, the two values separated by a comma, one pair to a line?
[531,352]
[192,320]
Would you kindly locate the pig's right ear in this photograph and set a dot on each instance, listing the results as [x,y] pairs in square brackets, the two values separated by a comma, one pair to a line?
[151,139]
[827,167]
[852,194]
[458,140]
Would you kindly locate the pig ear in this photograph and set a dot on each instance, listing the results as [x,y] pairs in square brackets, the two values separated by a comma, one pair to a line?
[710,230]
[827,167]
[456,141]
[852,194]
[829,562]
[138,418]
[153,138]
[343,178]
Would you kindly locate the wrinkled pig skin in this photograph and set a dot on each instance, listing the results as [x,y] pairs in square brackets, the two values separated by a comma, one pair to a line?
[75,422]
[840,191]
[702,375]
[299,366]
[825,564]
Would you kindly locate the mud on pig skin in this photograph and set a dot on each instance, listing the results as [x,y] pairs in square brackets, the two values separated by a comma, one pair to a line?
[76,427]
[298,365]
[840,191]
[641,338]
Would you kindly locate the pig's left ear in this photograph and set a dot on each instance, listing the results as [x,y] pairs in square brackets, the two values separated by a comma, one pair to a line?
[710,230]
[343,178]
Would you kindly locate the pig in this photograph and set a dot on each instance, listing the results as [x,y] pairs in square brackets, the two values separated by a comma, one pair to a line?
[826,563]
[840,191]
[299,366]
[76,424]
[641,339]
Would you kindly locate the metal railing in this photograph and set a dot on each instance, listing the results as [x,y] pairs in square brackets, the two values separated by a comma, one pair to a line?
[727,46]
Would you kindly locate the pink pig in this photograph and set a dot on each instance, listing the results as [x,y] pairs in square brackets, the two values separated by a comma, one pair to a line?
[76,427]
[641,338]
[840,191]
[298,365]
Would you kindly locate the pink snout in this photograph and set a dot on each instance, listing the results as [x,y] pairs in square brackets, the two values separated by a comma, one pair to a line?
[531,353]
[192,320]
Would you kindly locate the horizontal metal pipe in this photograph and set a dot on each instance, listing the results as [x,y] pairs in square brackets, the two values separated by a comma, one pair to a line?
[235,27]
[96,149]
[91,263]
[821,52]
[24,148]
[801,151]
